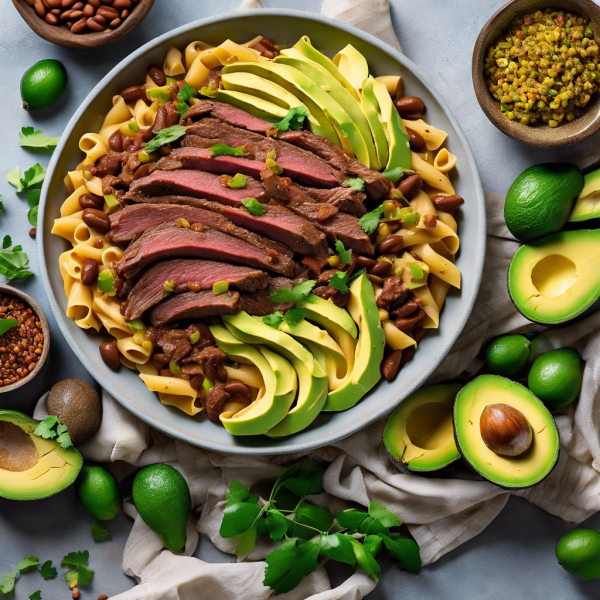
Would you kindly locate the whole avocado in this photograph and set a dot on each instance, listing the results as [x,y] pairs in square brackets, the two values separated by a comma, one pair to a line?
[539,201]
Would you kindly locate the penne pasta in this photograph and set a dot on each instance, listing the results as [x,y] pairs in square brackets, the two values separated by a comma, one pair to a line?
[429,174]
[193,50]
[173,64]
[433,136]
[396,339]
[439,266]
[444,161]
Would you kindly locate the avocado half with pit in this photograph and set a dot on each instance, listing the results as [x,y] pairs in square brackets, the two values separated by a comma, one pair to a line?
[587,204]
[418,436]
[557,278]
[30,466]
[504,432]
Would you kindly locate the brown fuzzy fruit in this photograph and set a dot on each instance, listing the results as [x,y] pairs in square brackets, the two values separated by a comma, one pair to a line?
[77,405]
[505,430]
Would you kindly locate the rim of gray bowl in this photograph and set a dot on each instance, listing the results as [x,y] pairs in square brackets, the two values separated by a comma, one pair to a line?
[290,446]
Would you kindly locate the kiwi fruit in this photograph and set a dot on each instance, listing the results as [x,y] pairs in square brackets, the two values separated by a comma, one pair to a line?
[78,406]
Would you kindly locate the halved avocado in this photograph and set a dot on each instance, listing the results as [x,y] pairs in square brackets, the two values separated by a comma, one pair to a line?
[557,278]
[511,472]
[30,466]
[418,436]
[587,204]
[280,385]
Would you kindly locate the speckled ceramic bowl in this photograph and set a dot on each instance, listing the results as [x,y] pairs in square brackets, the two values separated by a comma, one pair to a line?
[287,27]
[540,136]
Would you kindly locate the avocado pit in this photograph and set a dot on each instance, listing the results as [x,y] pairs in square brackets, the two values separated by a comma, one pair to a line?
[505,430]
[17,450]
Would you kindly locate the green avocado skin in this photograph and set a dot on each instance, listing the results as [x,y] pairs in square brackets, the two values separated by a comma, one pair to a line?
[578,553]
[540,200]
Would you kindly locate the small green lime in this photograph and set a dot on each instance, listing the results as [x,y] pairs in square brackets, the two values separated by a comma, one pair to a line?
[98,493]
[43,84]
[555,377]
[578,553]
[507,355]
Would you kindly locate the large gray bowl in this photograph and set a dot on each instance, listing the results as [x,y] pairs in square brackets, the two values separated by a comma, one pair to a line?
[284,26]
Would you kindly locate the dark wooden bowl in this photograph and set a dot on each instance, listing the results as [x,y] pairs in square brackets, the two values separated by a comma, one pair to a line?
[59,34]
[15,293]
[540,136]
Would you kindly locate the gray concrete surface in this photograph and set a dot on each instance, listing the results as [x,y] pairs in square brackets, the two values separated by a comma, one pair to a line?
[511,560]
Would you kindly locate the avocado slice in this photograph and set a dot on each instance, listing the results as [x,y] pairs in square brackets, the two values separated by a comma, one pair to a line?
[557,278]
[30,466]
[370,107]
[366,372]
[511,472]
[251,104]
[280,385]
[312,381]
[162,94]
[343,129]
[353,66]
[321,77]
[418,436]
[587,204]
[326,314]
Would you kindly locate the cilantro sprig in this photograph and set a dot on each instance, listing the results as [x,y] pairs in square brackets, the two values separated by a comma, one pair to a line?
[345,255]
[51,428]
[294,119]
[294,315]
[254,207]
[165,136]
[356,183]
[28,138]
[370,221]
[14,263]
[81,575]
[310,533]
[295,294]
[48,571]
[341,280]
[31,182]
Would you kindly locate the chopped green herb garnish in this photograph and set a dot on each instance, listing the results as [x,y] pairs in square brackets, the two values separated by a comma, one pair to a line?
[220,287]
[370,221]
[416,270]
[339,281]
[274,320]
[14,262]
[134,127]
[194,337]
[105,281]
[294,119]
[225,150]
[165,136]
[36,595]
[136,326]
[237,181]
[295,294]
[182,108]
[6,324]
[186,92]
[48,571]
[31,177]
[51,428]
[411,218]
[82,574]
[254,207]
[8,582]
[356,183]
[295,315]
[345,255]
[99,532]
[28,564]
[28,138]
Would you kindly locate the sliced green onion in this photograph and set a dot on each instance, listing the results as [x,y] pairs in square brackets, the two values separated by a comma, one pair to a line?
[111,200]
[271,164]
[194,337]
[254,207]
[220,287]
[134,127]
[105,281]
[237,181]
[174,367]
[416,270]
[137,325]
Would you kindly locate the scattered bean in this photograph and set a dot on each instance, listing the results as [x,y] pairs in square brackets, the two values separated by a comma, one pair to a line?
[110,354]
[391,245]
[410,186]
[390,365]
[135,92]
[89,272]
[447,203]
[416,140]
[115,141]
[364,262]
[381,269]
[409,106]
[96,219]
[156,74]
[32,232]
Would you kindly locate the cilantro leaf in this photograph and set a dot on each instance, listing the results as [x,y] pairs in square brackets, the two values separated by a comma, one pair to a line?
[274,320]
[48,571]
[33,176]
[82,574]
[36,595]
[294,119]
[370,221]
[63,438]
[288,565]
[345,255]
[295,294]
[8,582]
[28,138]
[383,515]
[165,136]
[46,427]
[225,150]
[14,263]
[14,178]
[237,493]
[186,92]
[6,242]
[339,281]
[295,315]
[28,564]
[356,183]
[238,518]
[99,532]
[6,324]
[182,108]
[404,550]
[254,207]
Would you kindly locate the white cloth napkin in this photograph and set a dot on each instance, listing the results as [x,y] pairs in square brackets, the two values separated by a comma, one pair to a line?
[441,513]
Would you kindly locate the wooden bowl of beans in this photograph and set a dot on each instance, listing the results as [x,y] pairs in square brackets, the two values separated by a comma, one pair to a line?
[83,23]
[24,347]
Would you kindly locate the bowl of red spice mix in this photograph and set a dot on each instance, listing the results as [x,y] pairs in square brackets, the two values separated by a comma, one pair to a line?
[24,338]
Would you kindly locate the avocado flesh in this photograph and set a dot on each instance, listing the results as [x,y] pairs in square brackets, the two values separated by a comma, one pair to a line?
[280,384]
[251,104]
[353,66]
[321,77]
[312,381]
[507,471]
[30,466]
[370,107]
[343,131]
[418,435]
[587,204]
[366,372]
[325,313]
[557,278]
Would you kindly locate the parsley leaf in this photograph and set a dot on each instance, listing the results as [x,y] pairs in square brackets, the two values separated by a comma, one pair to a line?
[186,92]
[6,324]
[254,207]
[295,315]
[274,320]
[99,532]
[370,221]
[8,582]
[356,183]
[339,281]
[294,119]
[345,255]
[237,493]
[82,574]
[14,263]
[51,428]
[48,571]
[33,175]
[225,150]
[165,136]
[28,564]
[28,138]
[295,294]
[36,595]
[14,178]
[63,438]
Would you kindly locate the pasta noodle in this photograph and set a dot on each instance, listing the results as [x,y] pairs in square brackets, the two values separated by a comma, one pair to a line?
[427,235]
[133,351]
[71,205]
[396,339]
[174,392]
[193,50]
[197,73]
[444,161]
[143,114]
[429,174]
[94,186]
[433,136]
[438,265]
[117,114]
[94,147]
[229,52]
[438,289]
[173,64]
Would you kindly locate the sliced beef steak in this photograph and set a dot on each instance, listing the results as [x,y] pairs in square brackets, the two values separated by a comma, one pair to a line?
[197,184]
[340,226]
[228,114]
[150,290]
[170,241]
[278,223]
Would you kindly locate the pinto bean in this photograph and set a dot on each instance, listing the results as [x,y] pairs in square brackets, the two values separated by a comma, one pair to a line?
[416,140]
[409,106]
[156,74]
[110,354]
[391,245]
[407,308]
[89,272]
[80,26]
[96,219]
[364,262]
[410,186]
[405,324]
[115,141]
[135,92]
[381,269]
[390,365]
[447,203]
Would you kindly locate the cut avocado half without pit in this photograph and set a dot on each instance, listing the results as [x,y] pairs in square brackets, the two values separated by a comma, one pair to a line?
[587,204]
[418,436]
[504,432]
[30,466]
[557,278]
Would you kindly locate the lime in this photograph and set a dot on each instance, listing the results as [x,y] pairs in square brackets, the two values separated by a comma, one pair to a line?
[98,493]
[42,84]
[555,377]
[578,553]
[507,355]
